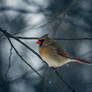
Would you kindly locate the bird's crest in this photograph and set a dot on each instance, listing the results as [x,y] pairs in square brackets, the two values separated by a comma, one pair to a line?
[44,36]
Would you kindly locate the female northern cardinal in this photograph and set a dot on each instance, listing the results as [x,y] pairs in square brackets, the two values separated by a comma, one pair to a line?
[53,54]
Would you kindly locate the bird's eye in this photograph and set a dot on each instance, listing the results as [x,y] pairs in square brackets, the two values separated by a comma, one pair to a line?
[40,42]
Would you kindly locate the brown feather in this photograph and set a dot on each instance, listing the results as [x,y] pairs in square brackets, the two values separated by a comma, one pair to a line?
[53,53]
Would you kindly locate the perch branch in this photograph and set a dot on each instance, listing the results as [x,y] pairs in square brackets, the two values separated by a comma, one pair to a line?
[36,38]
[64,14]
[61,78]
[23,58]
[11,36]
[8,35]
[2,9]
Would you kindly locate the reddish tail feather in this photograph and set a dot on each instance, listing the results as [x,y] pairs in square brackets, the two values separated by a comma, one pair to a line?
[62,53]
[82,61]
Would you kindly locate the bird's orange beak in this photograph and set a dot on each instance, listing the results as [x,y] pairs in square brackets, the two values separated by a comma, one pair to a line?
[38,42]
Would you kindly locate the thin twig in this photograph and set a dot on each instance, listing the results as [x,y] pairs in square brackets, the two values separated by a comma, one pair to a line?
[32,3]
[2,9]
[8,36]
[9,66]
[11,36]
[64,14]
[33,27]
[61,78]
[23,58]
[36,38]
[39,7]
[45,81]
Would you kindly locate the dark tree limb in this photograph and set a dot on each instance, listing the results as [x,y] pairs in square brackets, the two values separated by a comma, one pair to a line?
[62,15]
[36,38]
[11,36]
[23,58]
[62,80]
[8,35]
[2,9]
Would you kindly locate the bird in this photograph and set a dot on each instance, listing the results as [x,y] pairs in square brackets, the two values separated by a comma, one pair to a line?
[53,54]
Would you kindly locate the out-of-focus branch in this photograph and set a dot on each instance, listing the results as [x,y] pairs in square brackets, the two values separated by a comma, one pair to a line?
[33,3]
[62,15]
[24,11]
[45,81]
[33,27]
[27,2]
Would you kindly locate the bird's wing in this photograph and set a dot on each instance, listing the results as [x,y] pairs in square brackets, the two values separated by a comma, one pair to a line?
[60,51]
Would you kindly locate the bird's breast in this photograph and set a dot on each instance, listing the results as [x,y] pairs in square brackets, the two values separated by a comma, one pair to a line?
[50,56]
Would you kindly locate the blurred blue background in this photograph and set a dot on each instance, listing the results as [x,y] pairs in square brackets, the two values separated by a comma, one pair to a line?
[34,18]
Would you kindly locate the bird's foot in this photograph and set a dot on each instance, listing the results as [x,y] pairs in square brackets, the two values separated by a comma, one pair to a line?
[54,69]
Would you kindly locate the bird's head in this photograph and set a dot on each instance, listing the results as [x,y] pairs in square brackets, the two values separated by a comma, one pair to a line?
[44,40]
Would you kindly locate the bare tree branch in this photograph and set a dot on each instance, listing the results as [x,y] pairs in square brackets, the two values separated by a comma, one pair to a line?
[11,36]
[35,4]
[35,38]
[8,36]
[45,81]
[64,14]
[61,78]
[23,58]
[2,9]
[24,11]
[31,2]
[9,66]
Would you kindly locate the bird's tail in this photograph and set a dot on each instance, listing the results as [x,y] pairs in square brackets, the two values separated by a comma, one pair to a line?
[81,61]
